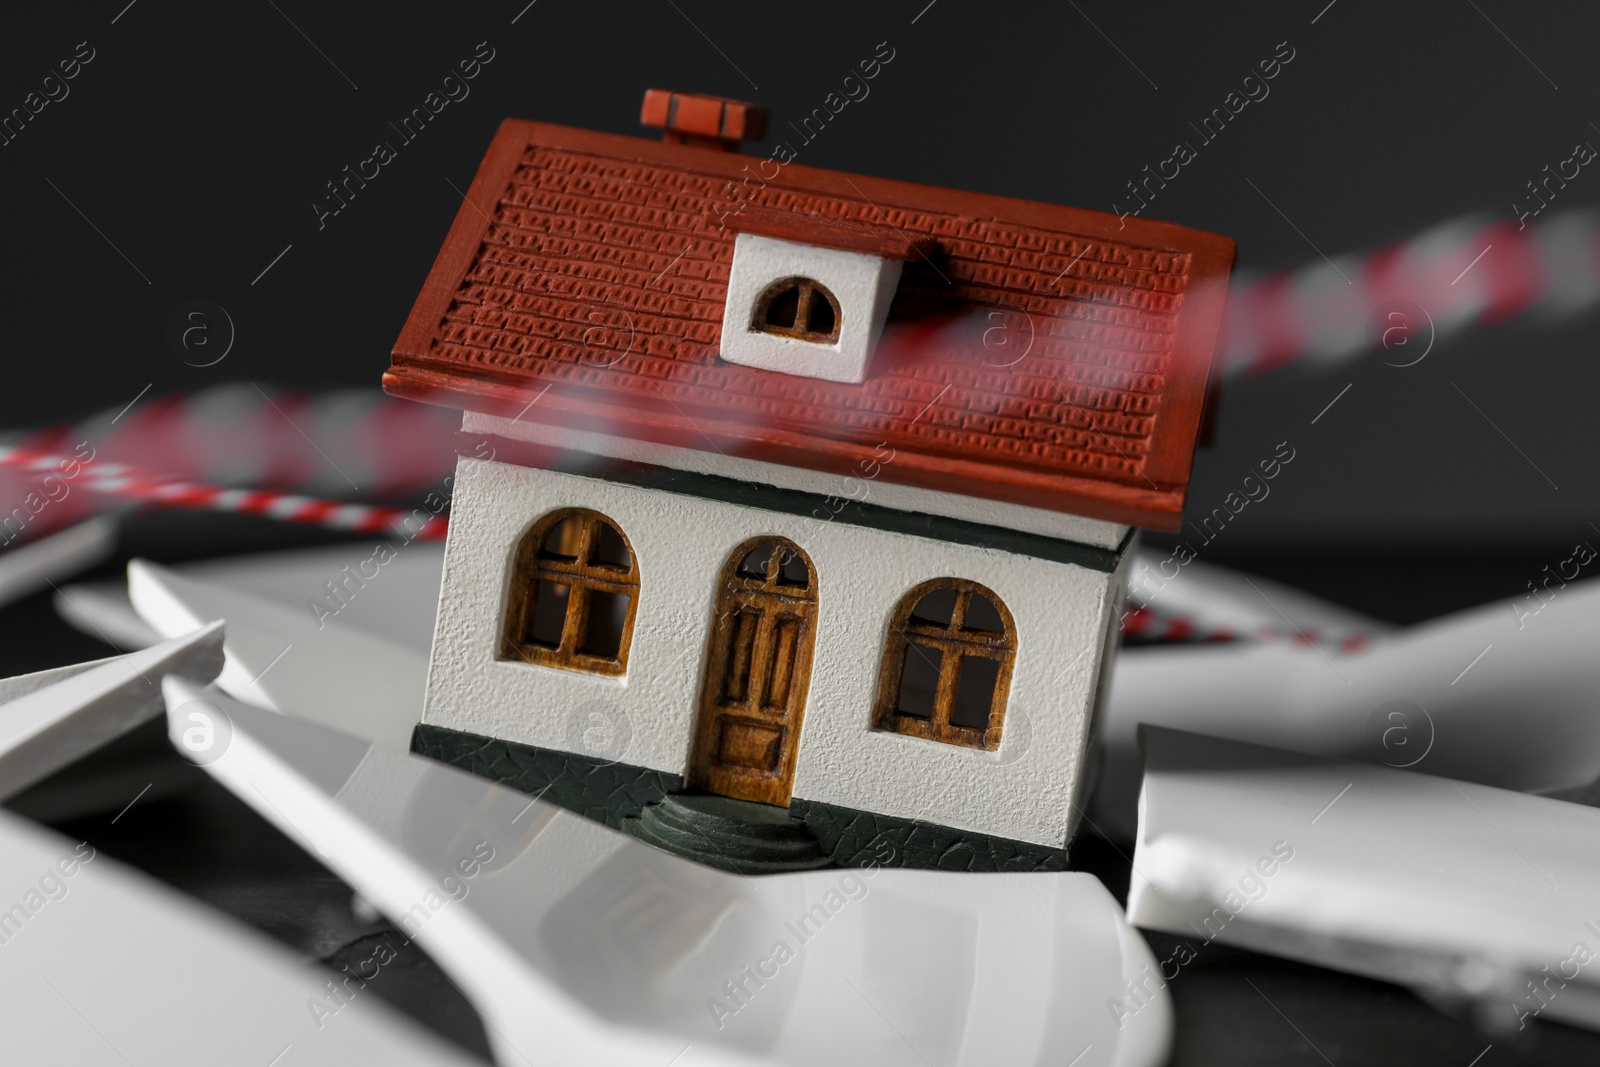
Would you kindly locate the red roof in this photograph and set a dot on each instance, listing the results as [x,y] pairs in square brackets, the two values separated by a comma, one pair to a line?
[845,234]
[1042,355]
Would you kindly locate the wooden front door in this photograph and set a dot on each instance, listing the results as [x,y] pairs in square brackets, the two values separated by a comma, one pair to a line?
[758,665]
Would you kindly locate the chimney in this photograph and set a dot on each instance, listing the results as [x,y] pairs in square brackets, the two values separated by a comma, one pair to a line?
[704,121]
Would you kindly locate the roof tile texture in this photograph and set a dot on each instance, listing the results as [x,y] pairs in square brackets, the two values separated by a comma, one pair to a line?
[1049,357]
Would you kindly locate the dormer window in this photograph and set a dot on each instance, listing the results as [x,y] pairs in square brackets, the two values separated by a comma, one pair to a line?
[798,307]
[808,295]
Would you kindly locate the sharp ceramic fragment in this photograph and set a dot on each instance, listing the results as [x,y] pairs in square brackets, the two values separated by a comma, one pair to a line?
[101,780]
[290,660]
[50,720]
[101,967]
[1466,893]
[34,566]
[581,944]
[20,685]
[1496,695]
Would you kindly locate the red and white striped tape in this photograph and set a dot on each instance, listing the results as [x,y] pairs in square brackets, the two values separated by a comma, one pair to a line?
[1154,625]
[213,448]
[1464,273]
[132,483]
[247,437]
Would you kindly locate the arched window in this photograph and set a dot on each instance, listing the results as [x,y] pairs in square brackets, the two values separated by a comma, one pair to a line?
[574,587]
[947,665]
[798,307]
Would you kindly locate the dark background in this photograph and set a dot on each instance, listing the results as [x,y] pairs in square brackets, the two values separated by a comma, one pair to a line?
[199,136]
[193,145]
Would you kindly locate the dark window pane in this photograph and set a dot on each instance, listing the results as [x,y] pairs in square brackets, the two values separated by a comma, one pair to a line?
[609,548]
[919,681]
[549,613]
[820,316]
[936,607]
[981,615]
[562,540]
[782,308]
[793,570]
[602,636]
[975,692]
[755,564]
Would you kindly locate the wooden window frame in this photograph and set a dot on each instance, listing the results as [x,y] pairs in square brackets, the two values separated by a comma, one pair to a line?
[809,287]
[582,577]
[956,642]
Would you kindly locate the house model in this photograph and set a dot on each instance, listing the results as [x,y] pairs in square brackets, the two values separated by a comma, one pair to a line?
[793,507]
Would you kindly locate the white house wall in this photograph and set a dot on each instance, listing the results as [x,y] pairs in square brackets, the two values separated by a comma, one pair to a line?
[1024,790]
[1108,653]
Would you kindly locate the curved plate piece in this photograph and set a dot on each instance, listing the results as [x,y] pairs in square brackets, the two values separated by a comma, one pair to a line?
[579,943]
[33,565]
[1506,694]
[279,657]
[102,967]
[1465,893]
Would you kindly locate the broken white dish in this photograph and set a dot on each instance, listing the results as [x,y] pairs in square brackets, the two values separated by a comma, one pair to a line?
[1489,695]
[282,658]
[576,941]
[395,599]
[102,611]
[136,768]
[34,565]
[50,719]
[1467,894]
[102,967]
[390,593]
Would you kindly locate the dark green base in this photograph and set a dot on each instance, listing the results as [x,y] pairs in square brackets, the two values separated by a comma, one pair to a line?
[611,792]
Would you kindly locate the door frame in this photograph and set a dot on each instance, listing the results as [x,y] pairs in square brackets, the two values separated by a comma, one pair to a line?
[734,589]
